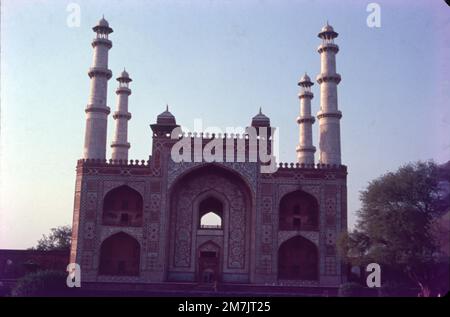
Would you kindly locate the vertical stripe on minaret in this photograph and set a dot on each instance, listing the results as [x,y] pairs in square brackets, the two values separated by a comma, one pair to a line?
[329,115]
[97,111]
[120,144]
[305,148]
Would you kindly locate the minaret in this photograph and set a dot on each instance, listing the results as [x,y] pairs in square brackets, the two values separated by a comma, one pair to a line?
[97,111]
[120,144]
[305,148]
[329,115]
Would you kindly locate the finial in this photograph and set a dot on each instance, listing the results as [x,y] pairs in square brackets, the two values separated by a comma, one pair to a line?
[167,107]
[103,16]
[260,110]
[327,23]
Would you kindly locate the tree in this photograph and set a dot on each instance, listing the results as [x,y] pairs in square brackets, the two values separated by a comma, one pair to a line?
[394,227]
[58,239]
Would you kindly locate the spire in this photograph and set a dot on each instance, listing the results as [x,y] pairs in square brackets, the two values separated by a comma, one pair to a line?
[260,120]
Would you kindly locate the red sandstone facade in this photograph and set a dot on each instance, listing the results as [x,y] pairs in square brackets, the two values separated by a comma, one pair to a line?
[139,221]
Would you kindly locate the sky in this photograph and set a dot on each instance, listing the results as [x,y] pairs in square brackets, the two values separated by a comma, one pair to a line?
[219,61]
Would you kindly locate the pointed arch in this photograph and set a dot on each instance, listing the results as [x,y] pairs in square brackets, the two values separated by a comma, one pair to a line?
[298,210]
[298,259]
[120,255]
[122,206]
[210,213]
[209,259]
[209,182]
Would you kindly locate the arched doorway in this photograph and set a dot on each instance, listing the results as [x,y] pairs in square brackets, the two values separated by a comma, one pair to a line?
[222,195]
[298,211]
[208,263]
[298,260]
[119,255]
[122,206]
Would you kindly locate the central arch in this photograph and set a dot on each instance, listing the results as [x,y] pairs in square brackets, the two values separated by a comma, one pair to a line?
[202,190]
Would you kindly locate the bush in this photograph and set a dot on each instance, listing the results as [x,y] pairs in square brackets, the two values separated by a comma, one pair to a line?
[351,289]
[396,289]
[4,290]
[41,283]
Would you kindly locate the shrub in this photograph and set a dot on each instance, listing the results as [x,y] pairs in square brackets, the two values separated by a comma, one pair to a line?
[351,289]
[394,289]
[4,290]
[40,283]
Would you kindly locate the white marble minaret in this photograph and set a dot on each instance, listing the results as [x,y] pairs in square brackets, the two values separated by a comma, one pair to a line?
[329,115]
[305,148]
[97,111]
[120,144]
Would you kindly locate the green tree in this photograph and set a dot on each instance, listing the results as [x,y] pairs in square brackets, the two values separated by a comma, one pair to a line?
[395,223]
[58,239]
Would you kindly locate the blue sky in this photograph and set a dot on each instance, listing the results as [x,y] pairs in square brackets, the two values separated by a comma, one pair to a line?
[219,61]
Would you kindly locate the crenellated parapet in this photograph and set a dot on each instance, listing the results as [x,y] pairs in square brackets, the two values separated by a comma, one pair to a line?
[319,166]
[111,162]
[289,171]
[210,136]
[148,163]
[117,167]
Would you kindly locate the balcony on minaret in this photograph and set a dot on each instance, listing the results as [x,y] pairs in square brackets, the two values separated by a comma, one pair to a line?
[327,34]
[305,92]
[102,31]
[124,81]
[305,87]
[123,84]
